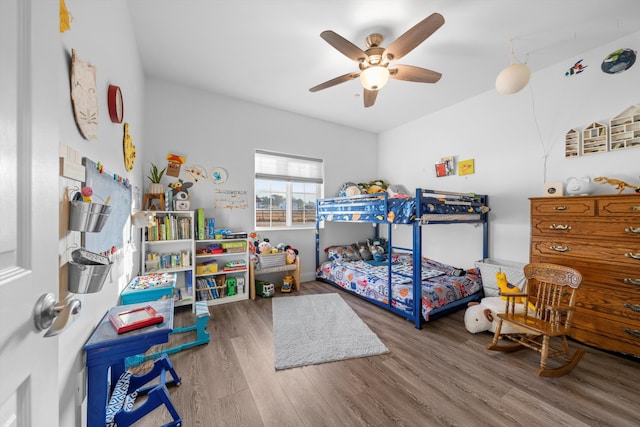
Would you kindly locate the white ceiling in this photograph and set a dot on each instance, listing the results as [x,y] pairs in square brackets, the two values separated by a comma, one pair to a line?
[270,51]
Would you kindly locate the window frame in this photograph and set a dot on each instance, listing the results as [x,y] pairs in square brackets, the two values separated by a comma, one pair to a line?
[287,169]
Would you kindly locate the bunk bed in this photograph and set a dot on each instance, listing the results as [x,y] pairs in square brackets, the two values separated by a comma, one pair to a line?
[388,283]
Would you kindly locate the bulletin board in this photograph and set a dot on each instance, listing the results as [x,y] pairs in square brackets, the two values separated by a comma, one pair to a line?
[111,187]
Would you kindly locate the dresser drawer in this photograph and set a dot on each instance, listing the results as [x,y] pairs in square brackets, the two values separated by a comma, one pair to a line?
[628,207]
[568,227]
[603,333]
[624,255]
[563,206]
[605,303]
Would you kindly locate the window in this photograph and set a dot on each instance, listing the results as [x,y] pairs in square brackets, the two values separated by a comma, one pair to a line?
[286,189]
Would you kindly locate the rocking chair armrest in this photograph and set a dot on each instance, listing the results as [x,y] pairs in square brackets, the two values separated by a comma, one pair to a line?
[513,294]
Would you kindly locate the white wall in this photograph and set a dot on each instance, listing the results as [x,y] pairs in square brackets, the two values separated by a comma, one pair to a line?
[509,136]
[215,131]
[102,35]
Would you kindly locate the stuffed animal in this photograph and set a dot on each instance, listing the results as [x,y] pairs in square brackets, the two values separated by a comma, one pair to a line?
[263,247]
[506,288]
[291,254]
[483,316]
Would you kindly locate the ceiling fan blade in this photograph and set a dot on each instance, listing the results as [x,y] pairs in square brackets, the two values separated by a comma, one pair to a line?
[369,97]
[413,37]
[413,74]
[333,82]
[343,45]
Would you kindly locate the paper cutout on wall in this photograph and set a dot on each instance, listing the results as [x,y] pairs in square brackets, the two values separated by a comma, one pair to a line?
[65,17]
[84,96]
[175,163]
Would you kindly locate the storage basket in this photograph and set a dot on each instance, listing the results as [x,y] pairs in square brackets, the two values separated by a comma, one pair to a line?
[87,278]
[88,217]
[489,267]
[272,260]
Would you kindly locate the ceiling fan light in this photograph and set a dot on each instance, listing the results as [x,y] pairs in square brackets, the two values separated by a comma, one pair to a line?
[512,79]
[374,78]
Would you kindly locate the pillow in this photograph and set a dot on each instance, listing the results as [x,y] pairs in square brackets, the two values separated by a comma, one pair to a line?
[343,253]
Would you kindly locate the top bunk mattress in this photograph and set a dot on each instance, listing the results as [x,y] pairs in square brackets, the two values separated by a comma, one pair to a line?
[428,206]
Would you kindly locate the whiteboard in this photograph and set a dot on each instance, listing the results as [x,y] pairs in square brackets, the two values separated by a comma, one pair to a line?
[118,191]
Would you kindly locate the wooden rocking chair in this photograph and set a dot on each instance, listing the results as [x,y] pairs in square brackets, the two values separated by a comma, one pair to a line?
[549,303]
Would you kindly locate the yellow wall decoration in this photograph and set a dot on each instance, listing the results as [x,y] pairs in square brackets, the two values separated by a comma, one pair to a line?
[65,17]
[466,167]
[129,149]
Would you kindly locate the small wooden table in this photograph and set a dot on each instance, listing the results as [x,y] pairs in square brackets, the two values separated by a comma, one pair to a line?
[106,349]
[287,267]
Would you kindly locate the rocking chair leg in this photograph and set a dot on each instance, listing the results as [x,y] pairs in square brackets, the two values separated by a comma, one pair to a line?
[564,369]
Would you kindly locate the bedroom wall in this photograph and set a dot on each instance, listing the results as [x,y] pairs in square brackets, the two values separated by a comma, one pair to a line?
[517,142]
[216,131]
[102,35]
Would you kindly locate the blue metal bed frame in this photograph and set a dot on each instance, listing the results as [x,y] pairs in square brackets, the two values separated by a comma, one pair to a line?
[343,209]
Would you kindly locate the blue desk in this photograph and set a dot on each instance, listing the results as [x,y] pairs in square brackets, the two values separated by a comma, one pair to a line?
[106,349]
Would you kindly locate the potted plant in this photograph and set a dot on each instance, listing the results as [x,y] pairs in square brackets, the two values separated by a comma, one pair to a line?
[155,176]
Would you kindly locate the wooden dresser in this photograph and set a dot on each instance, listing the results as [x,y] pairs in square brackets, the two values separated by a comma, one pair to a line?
[600,237]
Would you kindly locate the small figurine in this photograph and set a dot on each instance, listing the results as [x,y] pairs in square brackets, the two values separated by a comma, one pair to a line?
[617,184]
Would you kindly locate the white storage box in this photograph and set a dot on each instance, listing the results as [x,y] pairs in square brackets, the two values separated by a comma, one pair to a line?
[272,260]
[489,267]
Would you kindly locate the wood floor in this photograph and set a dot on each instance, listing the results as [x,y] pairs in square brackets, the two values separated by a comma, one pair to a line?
[441,375]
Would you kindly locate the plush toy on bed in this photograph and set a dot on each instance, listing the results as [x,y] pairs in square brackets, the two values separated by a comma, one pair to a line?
[349,189]
[376,186]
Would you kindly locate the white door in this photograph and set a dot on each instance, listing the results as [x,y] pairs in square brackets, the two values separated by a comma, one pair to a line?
[28,209]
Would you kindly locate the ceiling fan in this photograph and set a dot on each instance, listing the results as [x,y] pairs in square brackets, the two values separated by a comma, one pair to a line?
[375,62]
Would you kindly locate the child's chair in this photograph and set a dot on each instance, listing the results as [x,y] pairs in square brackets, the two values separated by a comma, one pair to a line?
[551,291]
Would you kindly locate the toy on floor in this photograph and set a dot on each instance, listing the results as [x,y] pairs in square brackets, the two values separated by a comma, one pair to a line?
[482,316]
[287,284]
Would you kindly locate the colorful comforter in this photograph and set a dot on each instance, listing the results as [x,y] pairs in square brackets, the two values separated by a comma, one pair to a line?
[370,280]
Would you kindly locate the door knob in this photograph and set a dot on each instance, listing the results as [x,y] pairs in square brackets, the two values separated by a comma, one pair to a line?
[54,315]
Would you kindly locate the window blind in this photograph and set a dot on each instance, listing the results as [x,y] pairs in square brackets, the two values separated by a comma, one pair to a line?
[287,167]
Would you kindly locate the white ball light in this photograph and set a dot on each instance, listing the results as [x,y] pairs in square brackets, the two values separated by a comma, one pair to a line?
[375,77]
[512,79]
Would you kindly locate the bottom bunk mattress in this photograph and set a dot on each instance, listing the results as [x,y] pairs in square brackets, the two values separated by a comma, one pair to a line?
[370,279]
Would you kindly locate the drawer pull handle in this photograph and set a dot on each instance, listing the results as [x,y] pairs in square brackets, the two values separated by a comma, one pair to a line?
[560,248]
[634,307]
[562,208]
[634,333]
[632,255]
[630,281]
[562,227]
[632,230]
[635,208]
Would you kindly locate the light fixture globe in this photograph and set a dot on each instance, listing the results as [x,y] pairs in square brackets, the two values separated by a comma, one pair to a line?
[513,79]
[374,77]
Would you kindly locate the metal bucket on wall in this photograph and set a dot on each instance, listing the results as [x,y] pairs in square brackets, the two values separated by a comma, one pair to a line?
[88,217]
[87,278]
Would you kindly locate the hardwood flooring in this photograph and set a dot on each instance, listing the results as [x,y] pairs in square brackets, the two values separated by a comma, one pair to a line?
[441,375]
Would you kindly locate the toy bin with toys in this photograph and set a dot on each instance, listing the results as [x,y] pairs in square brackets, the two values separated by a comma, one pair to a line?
[489,267]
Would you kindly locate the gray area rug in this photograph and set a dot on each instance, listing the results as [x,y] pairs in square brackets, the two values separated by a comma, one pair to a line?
[312,329]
